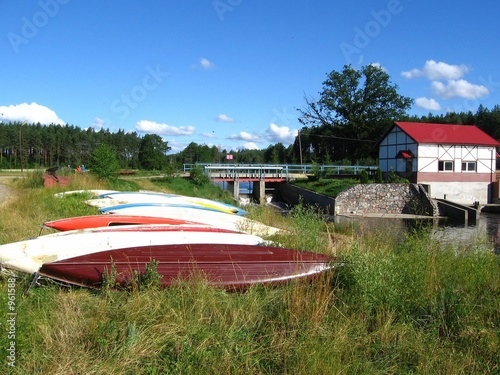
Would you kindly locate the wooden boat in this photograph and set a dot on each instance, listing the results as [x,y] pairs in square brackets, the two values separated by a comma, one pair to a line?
[28,256]
[151,197]
[233,267]
[95,221]
[218,219]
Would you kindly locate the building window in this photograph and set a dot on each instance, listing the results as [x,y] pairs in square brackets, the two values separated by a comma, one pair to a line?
[445,166]
[468,166]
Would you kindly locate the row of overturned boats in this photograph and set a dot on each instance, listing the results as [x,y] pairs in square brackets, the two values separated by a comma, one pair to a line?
[184,238]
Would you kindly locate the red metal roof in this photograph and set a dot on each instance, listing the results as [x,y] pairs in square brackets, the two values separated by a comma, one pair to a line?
[447,134]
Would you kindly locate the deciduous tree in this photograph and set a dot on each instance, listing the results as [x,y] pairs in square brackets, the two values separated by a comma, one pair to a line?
[152,152]
[354,108]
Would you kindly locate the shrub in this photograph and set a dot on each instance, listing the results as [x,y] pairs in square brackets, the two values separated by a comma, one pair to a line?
[104,162]
[198,175]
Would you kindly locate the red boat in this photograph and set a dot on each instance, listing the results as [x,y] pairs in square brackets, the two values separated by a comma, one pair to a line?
[96,221]
[233,267]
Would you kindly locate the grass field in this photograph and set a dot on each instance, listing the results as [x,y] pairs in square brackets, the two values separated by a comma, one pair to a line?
[398,306]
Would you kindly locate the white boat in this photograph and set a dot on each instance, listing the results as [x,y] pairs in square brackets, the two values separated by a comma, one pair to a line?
[151,197]
[29,255]
[94,192]
[213,218]
[105,204]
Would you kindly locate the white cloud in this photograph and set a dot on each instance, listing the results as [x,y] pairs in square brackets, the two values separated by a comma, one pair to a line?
[459,89]
[209,134]
[98,123]
[433,70]
[176,146]
[244,136]
[281,134]
[378,65]
[163,129]
[224,118]
[206,64]
[250,146]
[428,104]
[31,113]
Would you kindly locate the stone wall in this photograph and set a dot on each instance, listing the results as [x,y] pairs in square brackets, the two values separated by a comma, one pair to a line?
[364,199]
[384,199]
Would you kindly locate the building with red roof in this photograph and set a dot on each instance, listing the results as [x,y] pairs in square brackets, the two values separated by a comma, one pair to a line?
[455,162]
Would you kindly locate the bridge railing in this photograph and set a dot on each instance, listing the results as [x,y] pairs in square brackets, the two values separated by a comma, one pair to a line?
[245,171]
[278,170]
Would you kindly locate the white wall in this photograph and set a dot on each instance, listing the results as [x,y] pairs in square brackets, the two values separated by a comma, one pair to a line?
[461,192]
[429,155]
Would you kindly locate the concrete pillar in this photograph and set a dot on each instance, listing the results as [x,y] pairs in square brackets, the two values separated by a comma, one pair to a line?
[259,191]
[235,188]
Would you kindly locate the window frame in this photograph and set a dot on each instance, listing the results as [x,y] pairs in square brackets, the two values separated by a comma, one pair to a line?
[443,163]
[467,165]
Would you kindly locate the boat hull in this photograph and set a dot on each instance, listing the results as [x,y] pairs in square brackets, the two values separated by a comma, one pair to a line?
[94,192]
[95,221]
[152,197]
[233,267]
[29,255]
[218,219]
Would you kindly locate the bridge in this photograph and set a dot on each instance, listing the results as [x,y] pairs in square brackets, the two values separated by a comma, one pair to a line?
[260,174]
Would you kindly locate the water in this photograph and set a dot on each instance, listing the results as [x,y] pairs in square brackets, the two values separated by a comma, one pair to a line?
[485,234]
[486,230]
[246,188]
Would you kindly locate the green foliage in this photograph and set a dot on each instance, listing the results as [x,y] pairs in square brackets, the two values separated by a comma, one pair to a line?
[104,163]
[317,173]
[152,152]
[186,186]
[355,107]
[198,176]
[149,278]
[326,186]
[379,177]
[332,139]
[32,180]
[363,178]
[392,177]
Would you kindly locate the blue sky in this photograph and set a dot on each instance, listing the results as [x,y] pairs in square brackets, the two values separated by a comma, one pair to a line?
[232,73]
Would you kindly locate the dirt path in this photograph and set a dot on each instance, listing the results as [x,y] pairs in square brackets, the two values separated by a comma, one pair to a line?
[5,191]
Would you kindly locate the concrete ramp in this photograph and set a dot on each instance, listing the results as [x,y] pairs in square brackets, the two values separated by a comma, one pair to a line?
[457,212]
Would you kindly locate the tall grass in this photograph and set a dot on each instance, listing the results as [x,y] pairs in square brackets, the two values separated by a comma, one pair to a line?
[401,304]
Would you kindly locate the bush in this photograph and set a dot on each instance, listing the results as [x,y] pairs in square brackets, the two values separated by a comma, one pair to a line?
[363,178]
[198,175]
[104,162]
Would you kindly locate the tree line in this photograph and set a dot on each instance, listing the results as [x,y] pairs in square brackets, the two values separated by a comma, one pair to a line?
[343,126]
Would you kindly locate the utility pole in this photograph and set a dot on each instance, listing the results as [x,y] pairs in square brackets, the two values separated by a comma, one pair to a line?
[21,146]
[300,149]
